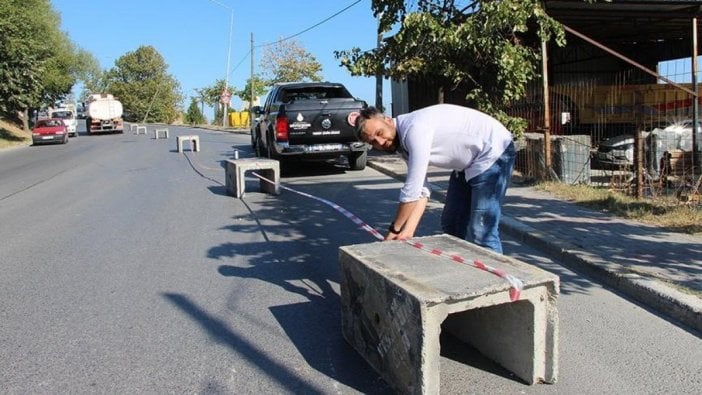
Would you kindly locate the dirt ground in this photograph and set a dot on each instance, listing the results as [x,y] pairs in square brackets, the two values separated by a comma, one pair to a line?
[12,135]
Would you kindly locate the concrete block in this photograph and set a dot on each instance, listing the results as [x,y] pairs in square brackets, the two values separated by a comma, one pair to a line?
[194,142]
[133,127]
[160,131]
[236,168]
[140,129]
[396,299]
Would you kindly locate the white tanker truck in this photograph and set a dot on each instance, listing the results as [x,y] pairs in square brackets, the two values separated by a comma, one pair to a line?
[104,114]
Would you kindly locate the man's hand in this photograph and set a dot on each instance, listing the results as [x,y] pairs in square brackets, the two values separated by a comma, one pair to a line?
[406,220]
[403,235]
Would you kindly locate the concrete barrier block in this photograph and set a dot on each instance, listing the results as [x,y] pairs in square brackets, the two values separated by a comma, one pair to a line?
[396,299]
[235,172]
[161,131]
[140,130]
[194,142]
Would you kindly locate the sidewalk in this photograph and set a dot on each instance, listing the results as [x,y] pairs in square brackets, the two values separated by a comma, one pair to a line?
[639,260]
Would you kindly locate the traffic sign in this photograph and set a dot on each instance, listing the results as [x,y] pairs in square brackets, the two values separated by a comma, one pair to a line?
[225,97]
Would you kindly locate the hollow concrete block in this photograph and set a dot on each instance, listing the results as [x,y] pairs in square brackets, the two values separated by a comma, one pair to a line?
[160,131]
[194,142]
[396,299]
[236,169]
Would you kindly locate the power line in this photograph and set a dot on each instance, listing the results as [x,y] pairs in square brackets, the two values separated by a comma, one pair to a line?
[222,4]
[240,62]
[296,34]
[309,28]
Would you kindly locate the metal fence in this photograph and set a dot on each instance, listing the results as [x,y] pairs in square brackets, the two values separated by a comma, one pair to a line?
[628,131]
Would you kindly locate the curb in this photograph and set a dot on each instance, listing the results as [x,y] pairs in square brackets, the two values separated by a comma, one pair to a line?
[664,299]
[220,129]
[686,309]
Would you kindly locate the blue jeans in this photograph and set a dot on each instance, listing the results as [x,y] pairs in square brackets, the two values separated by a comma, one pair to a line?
[473,208]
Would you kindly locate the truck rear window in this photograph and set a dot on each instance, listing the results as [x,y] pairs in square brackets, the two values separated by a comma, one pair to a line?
[62,114]
[49,123]
[314,93]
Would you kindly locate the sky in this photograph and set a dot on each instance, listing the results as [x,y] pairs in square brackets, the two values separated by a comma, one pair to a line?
[193,35]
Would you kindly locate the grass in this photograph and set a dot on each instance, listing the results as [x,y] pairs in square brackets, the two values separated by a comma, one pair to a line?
[667,213]
[11,135]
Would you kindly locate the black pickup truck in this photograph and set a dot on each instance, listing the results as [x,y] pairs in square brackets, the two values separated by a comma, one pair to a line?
[308,121]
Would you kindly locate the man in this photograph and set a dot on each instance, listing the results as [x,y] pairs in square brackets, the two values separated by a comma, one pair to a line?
[477,147]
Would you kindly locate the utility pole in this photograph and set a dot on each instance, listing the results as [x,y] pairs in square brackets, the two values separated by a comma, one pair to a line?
[226,79]
[696,156]
[148,110]
[251,87]
[225,96]
[546,112]
[379,72]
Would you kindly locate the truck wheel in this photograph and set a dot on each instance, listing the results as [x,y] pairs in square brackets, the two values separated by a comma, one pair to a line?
[259,147]
[358,161]
[273,155]
[269,150]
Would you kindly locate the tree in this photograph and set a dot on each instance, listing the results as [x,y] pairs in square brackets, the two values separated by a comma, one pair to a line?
[288,61]
[38,62]
[260,88]
[194,116]
[201,96]
[93,77]
[211,95]
[21,54]
[490,48]
[141,82]
[60,70]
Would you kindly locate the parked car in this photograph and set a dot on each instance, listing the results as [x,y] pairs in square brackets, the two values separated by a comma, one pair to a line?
[309,121]
[49,130]
[618,152]
[69,118]
[615,153]
[80,112]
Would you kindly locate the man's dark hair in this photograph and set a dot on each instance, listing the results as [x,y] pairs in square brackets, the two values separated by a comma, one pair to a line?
[365,114]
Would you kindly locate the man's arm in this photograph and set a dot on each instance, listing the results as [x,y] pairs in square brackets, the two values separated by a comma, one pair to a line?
[407,219]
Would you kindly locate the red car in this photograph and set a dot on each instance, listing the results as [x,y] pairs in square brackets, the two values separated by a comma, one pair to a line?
[50,130]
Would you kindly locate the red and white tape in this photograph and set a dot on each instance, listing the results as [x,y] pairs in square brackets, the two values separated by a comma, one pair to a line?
[516,285]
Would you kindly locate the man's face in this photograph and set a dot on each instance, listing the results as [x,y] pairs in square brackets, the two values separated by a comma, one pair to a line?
[380,133]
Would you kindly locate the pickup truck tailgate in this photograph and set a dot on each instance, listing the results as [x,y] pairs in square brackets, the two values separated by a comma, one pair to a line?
[321,121]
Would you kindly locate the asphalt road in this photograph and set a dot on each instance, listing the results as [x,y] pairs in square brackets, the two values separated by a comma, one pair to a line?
[125,268]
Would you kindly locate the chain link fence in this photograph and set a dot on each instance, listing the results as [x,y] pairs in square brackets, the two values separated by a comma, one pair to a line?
[627,131]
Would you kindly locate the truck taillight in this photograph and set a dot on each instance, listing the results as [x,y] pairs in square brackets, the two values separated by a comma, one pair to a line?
[281,128]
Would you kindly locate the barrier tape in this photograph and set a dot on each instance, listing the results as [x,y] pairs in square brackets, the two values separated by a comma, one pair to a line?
[516,285]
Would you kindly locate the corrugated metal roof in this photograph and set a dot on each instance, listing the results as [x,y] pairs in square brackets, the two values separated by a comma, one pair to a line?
[623,21]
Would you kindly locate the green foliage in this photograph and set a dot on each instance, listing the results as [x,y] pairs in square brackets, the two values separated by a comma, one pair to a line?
[288,61]
[489,48]
[94,78]
[58,75]
[25,25]
[211,96]
[38,62]
[140,81]
[261,86]
[194,116]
